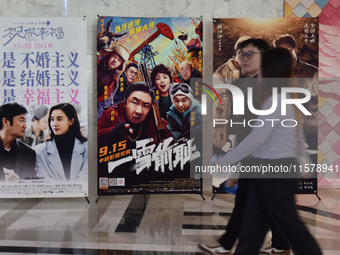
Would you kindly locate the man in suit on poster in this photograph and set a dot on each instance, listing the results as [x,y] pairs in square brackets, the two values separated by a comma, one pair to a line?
[17,160]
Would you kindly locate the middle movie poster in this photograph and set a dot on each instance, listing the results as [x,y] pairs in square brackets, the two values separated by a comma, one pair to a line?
[148,110]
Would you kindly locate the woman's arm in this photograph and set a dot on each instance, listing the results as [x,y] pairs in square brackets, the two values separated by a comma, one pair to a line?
[256,137]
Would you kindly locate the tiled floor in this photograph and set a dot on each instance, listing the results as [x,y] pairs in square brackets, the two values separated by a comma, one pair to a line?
[141,224]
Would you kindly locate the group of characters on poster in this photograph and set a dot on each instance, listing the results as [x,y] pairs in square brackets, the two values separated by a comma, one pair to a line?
[237,53]
[146,109]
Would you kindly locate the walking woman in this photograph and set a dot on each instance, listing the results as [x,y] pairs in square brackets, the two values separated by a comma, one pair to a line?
[271,200]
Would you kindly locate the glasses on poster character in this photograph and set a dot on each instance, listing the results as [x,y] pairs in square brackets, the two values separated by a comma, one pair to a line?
[181,86]
[248,55]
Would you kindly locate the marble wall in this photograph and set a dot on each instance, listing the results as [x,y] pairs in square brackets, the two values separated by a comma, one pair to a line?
[147,8]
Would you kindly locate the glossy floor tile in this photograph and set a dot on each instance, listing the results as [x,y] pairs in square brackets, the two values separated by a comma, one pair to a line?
[142,224]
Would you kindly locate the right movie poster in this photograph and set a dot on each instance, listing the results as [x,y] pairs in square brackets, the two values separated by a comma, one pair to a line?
[300,36]
[328,13]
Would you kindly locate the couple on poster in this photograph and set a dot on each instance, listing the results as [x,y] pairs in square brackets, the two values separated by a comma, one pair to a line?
[60,155]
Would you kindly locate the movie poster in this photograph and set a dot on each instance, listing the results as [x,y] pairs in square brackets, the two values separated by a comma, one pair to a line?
[300,36]
[148,110]
[43,93]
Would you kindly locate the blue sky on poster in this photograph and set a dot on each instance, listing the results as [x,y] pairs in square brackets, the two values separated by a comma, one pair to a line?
[161,44]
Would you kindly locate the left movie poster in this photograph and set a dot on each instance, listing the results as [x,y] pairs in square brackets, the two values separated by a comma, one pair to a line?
[148,110]
[43,112]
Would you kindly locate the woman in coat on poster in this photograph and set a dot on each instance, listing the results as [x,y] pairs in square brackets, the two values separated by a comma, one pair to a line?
[108,71]
[64,156]
[271,200]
